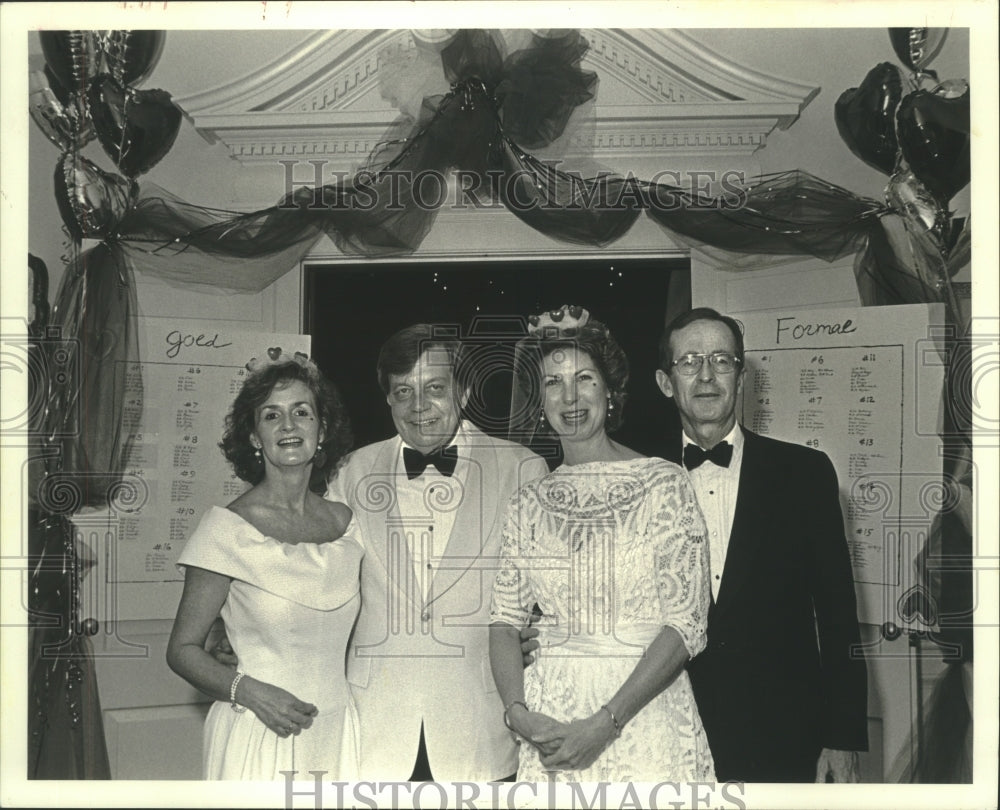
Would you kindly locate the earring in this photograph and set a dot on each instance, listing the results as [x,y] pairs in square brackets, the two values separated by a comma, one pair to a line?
[541,417]
[319,457]
[611,404]
[257,455]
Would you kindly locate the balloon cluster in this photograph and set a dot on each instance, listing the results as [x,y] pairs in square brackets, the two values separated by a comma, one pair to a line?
[86,91]
[920,139]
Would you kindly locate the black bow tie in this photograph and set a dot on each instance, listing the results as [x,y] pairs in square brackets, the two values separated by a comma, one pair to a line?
[444,458]
[721,455]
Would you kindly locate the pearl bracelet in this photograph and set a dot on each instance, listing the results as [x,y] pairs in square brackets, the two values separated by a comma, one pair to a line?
[232,693]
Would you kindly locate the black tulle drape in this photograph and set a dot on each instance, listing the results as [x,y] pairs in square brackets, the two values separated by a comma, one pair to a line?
[65,726]
[500,108]
[96,307]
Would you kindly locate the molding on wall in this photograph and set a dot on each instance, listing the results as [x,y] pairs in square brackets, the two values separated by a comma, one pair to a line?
[662,94]
[460,254]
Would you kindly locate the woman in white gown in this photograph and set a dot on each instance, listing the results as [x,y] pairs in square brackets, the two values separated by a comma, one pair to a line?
[288,707]
[612,548]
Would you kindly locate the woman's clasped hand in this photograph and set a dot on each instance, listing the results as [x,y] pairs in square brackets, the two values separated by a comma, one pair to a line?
[277,709]
[565,746]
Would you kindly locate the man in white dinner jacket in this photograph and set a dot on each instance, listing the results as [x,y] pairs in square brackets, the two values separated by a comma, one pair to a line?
[429,506]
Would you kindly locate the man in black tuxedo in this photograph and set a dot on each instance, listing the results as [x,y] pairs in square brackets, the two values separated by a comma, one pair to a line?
[781,688]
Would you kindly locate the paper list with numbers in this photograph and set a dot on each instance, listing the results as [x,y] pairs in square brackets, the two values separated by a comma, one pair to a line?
[864,386]
[174,415]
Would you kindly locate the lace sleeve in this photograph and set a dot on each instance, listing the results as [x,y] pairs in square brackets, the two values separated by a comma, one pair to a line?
[682,562]
[512,597]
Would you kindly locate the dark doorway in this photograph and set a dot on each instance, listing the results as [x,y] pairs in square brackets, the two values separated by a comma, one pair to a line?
[350,309]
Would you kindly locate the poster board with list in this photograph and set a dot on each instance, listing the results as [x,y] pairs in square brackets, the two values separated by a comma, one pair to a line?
[864,386]
[176,400]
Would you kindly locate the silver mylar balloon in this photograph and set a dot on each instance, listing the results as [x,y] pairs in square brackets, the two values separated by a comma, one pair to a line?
[66,125]
[906,195]
[91,201]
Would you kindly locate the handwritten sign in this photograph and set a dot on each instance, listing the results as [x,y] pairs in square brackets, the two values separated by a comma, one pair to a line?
[177,398]
[863,386]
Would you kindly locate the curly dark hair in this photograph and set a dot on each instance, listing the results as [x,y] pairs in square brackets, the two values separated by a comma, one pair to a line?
[595,340]
[241,421]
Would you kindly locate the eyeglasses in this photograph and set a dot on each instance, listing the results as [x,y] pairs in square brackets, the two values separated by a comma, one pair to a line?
[691,364]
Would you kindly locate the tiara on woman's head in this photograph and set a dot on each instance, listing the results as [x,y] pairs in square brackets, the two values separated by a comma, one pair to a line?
[275,356]
[553,322]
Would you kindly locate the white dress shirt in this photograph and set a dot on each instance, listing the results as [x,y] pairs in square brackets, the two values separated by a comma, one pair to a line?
[716,488]
[428,505]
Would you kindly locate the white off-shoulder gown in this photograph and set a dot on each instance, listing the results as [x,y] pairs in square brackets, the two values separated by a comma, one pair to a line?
[288,616]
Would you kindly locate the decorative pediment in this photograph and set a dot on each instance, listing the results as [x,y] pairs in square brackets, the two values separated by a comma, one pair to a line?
[661,93]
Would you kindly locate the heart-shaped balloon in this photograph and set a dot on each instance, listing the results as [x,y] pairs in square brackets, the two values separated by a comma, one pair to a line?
[91,201]
[136,128]
[865,117]
[65,125]
[917,47]
[130,56]
[73,56]
[933,132]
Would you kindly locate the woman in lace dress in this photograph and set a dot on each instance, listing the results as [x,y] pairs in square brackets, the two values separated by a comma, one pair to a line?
[611,547]
[279,565]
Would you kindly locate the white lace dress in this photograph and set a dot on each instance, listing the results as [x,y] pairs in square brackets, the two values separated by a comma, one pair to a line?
[611,552]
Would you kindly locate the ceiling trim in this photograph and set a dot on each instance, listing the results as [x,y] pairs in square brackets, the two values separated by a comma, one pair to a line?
[662,94]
